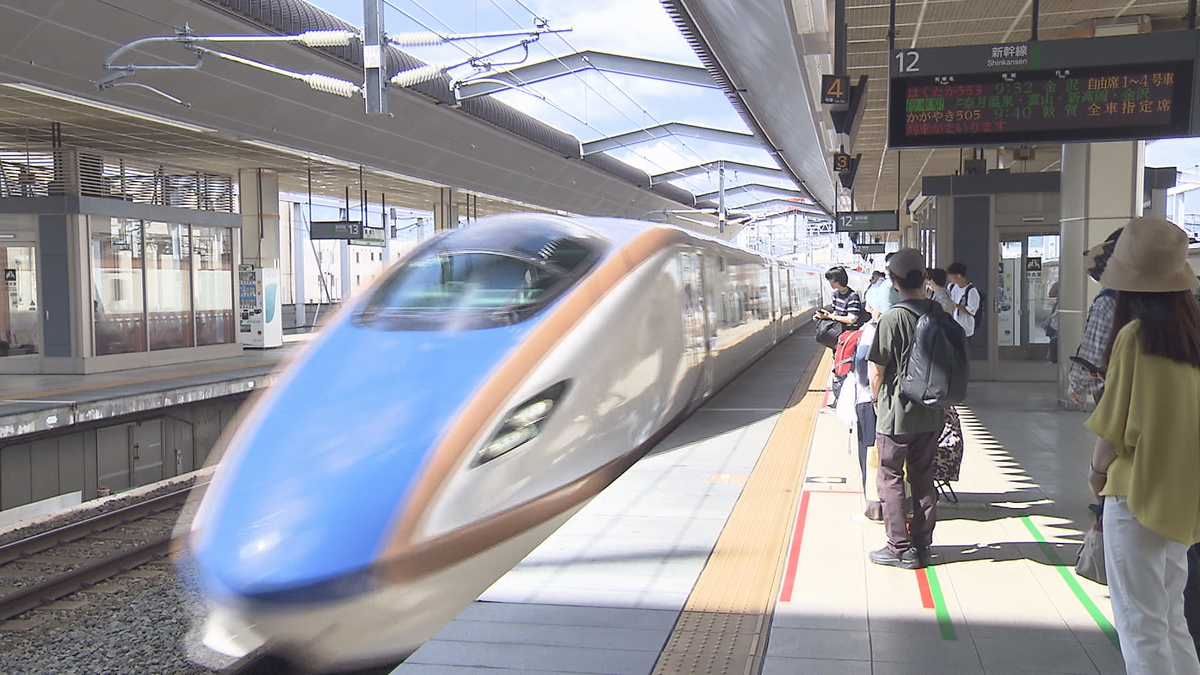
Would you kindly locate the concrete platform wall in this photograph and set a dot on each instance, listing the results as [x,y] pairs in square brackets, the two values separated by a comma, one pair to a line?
[119,453]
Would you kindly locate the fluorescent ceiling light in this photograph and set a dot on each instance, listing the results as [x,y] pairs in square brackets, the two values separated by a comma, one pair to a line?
[145,117]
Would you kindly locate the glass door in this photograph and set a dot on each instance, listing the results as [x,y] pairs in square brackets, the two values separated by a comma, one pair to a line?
[20,324]
[1026,306]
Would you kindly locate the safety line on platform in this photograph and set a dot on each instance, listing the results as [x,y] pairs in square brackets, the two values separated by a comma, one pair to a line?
[789,575]
[939,602]
[923,587]
[1068,574]
[793,559]
[725,622]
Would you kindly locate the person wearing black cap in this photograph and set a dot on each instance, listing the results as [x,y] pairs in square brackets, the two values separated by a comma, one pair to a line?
[1086,378]
[907,431]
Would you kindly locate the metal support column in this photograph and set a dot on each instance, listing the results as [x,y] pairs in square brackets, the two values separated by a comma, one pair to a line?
[375,80]
[721,214]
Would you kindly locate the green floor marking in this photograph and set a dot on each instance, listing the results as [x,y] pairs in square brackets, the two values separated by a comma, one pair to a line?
[1067,572]
[939,605]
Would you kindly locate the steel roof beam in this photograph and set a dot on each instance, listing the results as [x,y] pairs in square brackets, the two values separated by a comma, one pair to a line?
[671,129]
[756,187]
[796,206]
[586,60]
[715,165]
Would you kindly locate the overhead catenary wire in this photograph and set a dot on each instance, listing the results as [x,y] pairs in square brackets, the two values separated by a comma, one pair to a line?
[607,79]
[522,84]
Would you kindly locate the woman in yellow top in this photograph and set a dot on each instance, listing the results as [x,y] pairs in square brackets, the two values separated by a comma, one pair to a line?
[1147,456]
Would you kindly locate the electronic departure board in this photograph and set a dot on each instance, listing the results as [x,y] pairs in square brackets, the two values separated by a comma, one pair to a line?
[1014,98]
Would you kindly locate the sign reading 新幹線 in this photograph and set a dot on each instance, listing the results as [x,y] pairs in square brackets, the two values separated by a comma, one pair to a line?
[1126,87]
[867,221]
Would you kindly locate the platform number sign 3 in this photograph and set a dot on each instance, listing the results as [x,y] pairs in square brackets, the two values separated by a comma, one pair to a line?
[841,162]
[835,89]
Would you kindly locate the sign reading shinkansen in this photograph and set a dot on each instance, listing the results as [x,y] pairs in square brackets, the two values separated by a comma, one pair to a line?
[1128,87]
[867,221]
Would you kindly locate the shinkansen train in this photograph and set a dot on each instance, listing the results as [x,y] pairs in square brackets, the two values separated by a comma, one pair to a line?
[457,413]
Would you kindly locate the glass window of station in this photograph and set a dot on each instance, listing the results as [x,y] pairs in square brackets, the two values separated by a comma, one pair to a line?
[19,325]
[160,285]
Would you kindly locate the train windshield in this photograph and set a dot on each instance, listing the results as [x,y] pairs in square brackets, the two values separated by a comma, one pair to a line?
[449,286]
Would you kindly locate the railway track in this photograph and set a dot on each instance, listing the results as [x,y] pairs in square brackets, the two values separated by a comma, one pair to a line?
[138,534]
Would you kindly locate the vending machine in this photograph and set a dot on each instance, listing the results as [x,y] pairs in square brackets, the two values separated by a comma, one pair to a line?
[260,307]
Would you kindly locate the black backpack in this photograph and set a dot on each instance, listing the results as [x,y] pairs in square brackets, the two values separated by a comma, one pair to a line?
[938,365]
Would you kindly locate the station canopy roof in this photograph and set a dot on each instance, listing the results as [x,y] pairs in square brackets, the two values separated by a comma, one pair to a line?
[153,140]
[623,80]
[771,56]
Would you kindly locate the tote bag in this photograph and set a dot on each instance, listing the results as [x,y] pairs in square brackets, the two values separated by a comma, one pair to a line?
[1091,556]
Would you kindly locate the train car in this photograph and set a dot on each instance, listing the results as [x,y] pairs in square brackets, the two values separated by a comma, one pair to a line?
[457,413]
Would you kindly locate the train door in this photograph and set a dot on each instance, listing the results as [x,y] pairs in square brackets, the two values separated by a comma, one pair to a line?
[696,319]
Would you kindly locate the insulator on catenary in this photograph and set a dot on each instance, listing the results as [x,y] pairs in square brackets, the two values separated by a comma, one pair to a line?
[408,78]
[327,38]
[331,85]
[416,39]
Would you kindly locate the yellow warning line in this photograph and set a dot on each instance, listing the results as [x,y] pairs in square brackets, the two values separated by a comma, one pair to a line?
[723,627]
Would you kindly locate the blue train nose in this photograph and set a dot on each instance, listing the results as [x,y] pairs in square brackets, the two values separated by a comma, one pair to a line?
[321,472]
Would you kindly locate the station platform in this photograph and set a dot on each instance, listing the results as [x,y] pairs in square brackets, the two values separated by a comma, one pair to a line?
[35,403]
[738,545]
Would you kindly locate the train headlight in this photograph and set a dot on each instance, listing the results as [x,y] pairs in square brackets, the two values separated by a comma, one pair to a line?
[521,424]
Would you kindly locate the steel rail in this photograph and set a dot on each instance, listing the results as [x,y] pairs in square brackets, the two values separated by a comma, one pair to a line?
[84,528]
[32,597]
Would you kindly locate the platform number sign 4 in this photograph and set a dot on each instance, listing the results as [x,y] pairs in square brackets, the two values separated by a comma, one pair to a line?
[835,89]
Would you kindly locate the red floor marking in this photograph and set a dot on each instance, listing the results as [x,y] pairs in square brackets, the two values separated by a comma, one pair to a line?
[789,575]
[926,594]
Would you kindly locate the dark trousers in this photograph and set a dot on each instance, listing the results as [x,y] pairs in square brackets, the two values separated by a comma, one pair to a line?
[1191,595]
[866,436]
[917,450]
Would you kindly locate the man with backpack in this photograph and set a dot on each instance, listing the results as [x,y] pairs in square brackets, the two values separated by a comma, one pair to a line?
[919,366]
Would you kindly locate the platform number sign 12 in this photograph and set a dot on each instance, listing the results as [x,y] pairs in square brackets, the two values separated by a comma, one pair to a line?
[908,61]
[835,90]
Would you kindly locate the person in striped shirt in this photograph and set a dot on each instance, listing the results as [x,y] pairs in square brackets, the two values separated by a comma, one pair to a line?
[847,306]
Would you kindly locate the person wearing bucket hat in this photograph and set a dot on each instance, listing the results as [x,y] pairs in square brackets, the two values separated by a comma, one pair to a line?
[1085,379]
[1146,460]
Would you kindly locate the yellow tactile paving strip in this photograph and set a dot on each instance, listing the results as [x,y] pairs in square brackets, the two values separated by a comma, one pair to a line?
[723,627]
